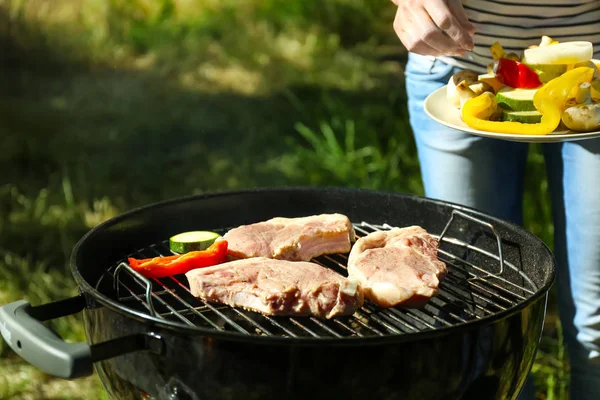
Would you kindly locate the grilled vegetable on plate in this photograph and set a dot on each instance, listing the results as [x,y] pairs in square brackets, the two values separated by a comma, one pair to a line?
[550,86]
[584,114]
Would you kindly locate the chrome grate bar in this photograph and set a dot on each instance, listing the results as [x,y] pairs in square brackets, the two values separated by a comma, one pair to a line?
[468,292]
[415,317]
[147,304]
[475,267]
[151,295]
[358,318]
[384,323]
[453,295]
[455,286]
[437,300]
[304,328]
[187,305]
[325,327]
[441,320]
[213,309]
[393,319]
[447,294]
[474,276]
[346,327]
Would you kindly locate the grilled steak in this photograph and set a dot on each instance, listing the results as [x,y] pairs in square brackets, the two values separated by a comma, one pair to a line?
[292,239]
[397,267]
[277,287]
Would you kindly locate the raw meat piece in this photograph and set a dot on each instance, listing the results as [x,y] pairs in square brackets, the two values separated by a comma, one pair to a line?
[292,239]
[277,287]
[397,267]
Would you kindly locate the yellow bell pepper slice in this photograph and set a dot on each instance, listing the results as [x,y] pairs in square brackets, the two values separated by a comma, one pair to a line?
[497,51]
[549,100]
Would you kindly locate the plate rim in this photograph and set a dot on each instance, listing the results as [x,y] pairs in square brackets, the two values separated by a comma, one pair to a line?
[555,136]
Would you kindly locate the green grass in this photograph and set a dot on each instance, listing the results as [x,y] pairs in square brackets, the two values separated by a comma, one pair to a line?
[109,105]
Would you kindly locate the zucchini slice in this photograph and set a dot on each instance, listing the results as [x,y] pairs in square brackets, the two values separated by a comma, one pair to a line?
[192,241]
[526,117]
[516,99]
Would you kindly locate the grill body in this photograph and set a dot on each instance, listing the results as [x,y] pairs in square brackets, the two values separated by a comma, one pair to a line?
[476,340]
[487,362]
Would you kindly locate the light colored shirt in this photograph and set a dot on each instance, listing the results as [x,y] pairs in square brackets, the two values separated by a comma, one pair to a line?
[517,25]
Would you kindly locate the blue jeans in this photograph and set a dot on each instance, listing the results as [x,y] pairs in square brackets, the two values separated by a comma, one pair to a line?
[488,174]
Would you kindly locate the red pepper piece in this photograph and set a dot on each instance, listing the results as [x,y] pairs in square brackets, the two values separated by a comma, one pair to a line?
[159,267]
[515,74]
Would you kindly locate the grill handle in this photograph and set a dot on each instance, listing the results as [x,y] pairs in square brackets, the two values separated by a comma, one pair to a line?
[22,328]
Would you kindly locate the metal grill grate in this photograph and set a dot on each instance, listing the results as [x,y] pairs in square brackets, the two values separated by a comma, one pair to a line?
[468,292]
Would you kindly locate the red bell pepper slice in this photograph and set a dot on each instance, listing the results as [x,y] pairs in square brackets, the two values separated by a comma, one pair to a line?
[515,74]
[160,267]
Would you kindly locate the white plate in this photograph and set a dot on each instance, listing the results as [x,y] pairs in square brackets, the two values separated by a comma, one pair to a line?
[440,110]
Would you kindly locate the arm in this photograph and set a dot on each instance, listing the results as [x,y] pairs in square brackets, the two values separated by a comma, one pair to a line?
[433,27]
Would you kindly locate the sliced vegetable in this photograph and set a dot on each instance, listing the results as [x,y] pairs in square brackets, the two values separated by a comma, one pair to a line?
[595,90]
[497,51]
[516,74]
[546,41]
[467,92]
[561,53]
[192,241]
[452,93]
[549,100]
[526,117]
[514,99]
[584,116]
[159,267]
[491,80]
[547,72]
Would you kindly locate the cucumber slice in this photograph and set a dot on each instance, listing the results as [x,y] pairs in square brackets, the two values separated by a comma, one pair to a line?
[192,241]
[561,53]
[526,117]
[514,99]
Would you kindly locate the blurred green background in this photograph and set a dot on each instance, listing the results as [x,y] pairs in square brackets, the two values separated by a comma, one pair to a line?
[106,105]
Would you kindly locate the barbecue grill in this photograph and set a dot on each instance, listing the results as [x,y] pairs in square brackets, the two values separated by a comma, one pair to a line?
[150,338]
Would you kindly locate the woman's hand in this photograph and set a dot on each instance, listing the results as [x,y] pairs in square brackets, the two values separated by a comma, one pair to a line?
[433,27]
